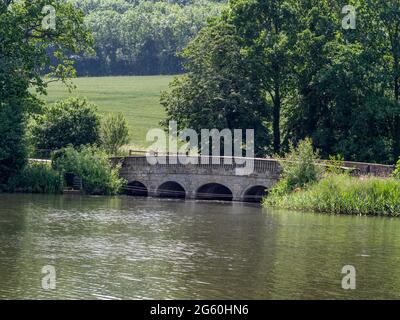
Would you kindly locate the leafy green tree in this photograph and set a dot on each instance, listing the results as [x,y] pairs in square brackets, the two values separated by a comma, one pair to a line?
[342,87]
[24,45]
[114,133]
[247,56]
[318,25]
[381,37]
[267,30]
[219,89]
[316,79]
[69,122]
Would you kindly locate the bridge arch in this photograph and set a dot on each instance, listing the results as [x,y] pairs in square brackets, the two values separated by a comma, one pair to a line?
[171,189]
[255,193]
[136,188]
[214,191]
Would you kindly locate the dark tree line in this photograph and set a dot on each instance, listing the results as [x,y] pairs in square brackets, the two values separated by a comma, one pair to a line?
[288,69]
[140,37]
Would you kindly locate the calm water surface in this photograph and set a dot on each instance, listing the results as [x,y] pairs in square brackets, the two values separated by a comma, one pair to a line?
[133,248]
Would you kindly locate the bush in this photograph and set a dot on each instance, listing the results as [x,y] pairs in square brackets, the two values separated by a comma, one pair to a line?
[94,168]
[299,168]
[69,122]
[343,194]
[335,164]
[38,177]
[114,133]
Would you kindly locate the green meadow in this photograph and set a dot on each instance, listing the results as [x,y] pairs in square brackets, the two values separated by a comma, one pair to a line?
[137,97]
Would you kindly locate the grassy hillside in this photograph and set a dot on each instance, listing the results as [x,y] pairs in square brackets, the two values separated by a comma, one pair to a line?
[136,97]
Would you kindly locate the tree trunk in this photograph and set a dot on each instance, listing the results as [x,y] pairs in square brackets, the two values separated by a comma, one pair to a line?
[396,133]
[276,120]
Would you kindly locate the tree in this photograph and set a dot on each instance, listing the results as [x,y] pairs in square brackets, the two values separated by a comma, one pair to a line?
[69,122]
[267,30]
[342,87]
[382,38]
[305,116]
[219,89]
[24,44]
[114,133]
[246,55]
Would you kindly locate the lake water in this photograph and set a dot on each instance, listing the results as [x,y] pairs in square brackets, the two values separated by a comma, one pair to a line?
[142,248]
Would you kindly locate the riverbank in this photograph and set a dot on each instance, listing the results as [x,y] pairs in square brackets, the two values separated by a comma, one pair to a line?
[343,194]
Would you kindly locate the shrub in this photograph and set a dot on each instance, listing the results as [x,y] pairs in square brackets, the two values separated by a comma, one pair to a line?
[38,177]
[114,133]
[335,164]
[94,168]
[69,122]
[299,168]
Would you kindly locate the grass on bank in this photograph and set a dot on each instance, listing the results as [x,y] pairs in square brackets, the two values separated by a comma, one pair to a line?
[136,97]
[307,186]
[343,194]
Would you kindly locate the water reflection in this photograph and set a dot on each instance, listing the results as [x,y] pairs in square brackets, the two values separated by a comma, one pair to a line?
[141,248]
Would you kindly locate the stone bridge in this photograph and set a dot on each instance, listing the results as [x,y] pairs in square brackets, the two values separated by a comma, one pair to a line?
[217,179]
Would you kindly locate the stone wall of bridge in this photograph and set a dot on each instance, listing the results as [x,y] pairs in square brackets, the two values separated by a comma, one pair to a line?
[192,177]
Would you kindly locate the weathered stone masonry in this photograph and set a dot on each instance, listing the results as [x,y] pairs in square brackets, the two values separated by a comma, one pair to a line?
[136,169]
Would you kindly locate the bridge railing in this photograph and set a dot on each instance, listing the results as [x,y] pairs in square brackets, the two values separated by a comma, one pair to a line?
[373,169]
[206,162]
[261,165]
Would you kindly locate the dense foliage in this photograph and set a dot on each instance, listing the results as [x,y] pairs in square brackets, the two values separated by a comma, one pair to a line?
[294,69]
[140,37]
[72,121]
[24,48]
[93,166]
